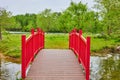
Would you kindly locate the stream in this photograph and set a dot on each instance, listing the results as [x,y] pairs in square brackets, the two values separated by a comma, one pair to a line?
[102,68]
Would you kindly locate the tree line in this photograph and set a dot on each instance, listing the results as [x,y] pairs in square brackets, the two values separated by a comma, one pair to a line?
[77,15]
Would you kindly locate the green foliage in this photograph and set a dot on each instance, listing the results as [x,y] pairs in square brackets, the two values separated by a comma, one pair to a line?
[98,44]
[5,20]
[10,45]
[4,17]
[110,13]
[77,15]
[25,22]
[48,20]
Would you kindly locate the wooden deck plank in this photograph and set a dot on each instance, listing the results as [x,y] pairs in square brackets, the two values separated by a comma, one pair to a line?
[55,64]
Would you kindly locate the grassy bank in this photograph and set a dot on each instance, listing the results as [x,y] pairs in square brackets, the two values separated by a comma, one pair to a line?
[103,46]
[11,43]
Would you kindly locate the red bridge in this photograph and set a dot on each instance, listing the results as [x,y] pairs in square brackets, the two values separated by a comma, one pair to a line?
[55,64]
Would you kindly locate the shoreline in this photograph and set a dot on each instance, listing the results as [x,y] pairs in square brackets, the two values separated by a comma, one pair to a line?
[105,51]
[11,59]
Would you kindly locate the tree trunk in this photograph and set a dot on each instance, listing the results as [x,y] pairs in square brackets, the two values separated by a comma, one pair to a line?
[0,33]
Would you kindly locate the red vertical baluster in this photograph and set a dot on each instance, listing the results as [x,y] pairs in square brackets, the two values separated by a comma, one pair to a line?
[88,59]
[69,41]
[23,56]
[70,35]
[80,45]
[72,39]
[75,40]
[40,39]
[43,40]
[32,47]
[38,30]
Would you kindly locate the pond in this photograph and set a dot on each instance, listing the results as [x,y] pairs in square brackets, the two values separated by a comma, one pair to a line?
[105,68]
[102,68]
[9,70]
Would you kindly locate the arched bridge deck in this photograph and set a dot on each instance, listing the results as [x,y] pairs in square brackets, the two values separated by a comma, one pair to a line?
[55,64]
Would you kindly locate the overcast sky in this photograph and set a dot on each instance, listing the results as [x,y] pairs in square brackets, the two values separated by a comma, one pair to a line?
[35,6]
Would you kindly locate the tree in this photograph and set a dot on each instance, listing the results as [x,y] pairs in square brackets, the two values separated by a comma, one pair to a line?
[23,21]
[77,15]
[110,13]
[46,20]
[4,20]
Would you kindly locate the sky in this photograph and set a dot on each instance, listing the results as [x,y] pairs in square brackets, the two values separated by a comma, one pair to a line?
[36,6]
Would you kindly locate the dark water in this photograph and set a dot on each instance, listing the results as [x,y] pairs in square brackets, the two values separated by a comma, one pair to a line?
[105,68]
[102,68]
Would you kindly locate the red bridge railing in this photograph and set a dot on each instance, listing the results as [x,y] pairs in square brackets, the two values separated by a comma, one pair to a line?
[30,48]
[81,47]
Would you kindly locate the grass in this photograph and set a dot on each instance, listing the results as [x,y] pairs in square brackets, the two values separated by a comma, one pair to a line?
[56,41]
[99,44]
[11,43]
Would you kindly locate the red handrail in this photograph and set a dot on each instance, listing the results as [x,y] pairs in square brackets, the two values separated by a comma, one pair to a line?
[30,48]
[81,48]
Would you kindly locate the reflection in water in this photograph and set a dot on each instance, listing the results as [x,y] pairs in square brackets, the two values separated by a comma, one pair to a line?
[9,70]
[105,68]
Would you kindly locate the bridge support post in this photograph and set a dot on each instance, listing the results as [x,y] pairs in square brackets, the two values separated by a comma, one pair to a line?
[23,56]
[88,59]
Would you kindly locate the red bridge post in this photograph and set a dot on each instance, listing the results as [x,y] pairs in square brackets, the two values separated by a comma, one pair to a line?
[23,56]
[43,39]
[88,59]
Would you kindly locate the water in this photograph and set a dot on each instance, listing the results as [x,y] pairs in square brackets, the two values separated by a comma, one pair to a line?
[102,68]
[105,68]
[9,70]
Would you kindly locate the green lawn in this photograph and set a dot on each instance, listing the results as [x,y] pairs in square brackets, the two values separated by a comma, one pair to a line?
[98,44]
[56,41]
[11,43]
